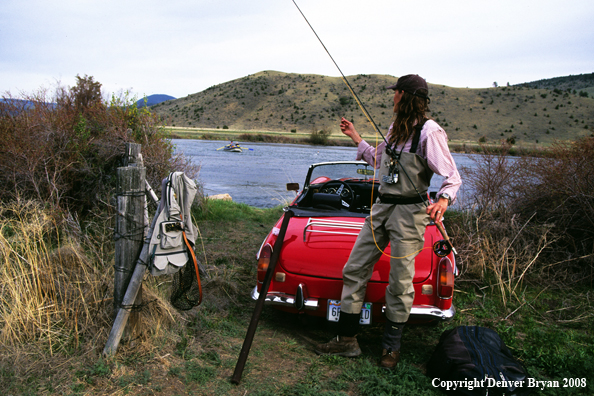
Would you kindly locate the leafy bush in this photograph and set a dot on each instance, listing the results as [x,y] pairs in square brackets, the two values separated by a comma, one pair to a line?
[529,215]
[319,137]
[64,149]
[345,100]
[559,193]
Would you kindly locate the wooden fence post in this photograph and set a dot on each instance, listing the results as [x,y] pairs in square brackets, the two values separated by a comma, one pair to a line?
[121,319]
[130,231]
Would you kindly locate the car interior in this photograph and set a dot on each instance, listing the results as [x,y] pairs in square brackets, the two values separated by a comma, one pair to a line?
[339,195]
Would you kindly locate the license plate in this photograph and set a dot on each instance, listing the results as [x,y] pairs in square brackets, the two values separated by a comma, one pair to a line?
[333,313]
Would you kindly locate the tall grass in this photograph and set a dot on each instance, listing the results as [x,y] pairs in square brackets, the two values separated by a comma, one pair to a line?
[51,292]
[56,287]
[530,220]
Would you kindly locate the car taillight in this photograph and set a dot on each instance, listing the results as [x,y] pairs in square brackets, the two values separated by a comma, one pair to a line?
[264,258]
[445,282]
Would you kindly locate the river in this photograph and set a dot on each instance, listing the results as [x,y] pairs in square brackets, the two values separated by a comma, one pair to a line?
[258,176]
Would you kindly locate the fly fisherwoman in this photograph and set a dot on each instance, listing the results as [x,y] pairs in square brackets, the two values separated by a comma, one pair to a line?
[415,148]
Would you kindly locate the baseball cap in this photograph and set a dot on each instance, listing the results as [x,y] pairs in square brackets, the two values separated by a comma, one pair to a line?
[411,83]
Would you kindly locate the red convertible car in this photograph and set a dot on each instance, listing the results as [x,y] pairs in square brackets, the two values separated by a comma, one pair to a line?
[327,216]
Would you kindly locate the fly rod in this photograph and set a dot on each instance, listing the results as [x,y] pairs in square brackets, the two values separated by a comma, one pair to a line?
[389,150]
[367,115]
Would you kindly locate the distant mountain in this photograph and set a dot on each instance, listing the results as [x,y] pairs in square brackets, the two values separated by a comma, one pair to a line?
[14,106]
[153,100]
[271,101]
[25,104]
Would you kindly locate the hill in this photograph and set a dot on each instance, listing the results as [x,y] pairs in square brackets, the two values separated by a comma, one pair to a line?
[276,101]
[581,83]
[12,106]
[152,100]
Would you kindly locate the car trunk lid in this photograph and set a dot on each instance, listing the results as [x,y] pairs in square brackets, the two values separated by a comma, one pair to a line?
[321,246]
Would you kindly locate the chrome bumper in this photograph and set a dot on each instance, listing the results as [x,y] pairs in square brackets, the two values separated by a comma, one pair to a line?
[432,313]
[311,304]
[287,300]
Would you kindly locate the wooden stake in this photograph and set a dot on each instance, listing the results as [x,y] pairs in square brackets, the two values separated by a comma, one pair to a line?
[121,319]
[130,231]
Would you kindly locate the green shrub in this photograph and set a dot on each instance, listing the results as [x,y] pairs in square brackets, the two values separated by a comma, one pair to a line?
[345,100]
[319,137]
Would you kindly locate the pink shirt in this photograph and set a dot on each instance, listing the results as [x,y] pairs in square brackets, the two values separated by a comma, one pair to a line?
[433,146]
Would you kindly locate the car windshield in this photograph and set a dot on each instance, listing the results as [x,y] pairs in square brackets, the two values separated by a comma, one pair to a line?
[341,171]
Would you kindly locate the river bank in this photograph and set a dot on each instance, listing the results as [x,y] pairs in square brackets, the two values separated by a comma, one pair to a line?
[337,139]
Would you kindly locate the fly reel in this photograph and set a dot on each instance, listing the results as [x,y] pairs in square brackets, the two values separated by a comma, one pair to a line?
[442,248]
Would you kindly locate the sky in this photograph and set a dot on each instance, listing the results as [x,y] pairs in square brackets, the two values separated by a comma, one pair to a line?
[180,47]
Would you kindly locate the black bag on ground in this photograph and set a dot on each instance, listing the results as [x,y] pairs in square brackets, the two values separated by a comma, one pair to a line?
[473,360]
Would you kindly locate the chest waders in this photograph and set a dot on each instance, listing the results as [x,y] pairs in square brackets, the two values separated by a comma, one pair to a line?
[404,175]
[398,217]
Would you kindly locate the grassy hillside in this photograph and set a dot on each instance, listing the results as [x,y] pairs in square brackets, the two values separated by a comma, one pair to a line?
[580,84]
[301,103]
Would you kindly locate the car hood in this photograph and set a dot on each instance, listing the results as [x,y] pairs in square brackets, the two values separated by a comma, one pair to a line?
[320,247]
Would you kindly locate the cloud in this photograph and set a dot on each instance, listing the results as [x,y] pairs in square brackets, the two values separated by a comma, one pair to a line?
[179,47]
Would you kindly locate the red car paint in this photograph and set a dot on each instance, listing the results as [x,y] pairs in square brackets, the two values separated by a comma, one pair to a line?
[319,240]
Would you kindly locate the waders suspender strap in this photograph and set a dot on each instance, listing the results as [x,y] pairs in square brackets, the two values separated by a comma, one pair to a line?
[415,142]
[417,136]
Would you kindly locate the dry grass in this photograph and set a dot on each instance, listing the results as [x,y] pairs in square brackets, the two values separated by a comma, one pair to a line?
[500,252]
[57,287]
[530,220]
[50,290]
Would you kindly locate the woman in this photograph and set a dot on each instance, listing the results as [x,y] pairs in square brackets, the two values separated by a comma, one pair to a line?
[417,148]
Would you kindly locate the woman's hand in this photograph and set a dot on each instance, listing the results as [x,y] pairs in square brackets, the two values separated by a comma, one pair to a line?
[437,210]
[348,129]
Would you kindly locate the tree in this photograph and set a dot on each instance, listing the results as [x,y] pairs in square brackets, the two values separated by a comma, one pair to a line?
[86,92]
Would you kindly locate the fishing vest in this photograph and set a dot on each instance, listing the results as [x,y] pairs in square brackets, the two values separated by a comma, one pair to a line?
[412,170]
[174,235]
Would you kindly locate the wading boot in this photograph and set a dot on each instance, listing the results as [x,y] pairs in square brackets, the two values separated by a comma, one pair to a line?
[389,359]
[391,344]
[340,346]
[345,343]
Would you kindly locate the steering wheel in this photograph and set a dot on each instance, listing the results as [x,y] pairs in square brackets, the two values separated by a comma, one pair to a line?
[347,197]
